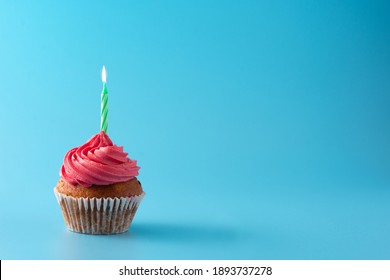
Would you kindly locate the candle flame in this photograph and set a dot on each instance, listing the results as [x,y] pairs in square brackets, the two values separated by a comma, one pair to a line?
[104,75]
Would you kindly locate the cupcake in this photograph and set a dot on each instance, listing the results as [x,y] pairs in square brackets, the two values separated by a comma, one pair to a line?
[98,191]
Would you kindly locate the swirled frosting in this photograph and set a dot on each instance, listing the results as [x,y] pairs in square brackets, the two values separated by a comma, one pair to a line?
[98,162]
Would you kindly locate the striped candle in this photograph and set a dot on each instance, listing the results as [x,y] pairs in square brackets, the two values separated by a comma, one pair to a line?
[104,103]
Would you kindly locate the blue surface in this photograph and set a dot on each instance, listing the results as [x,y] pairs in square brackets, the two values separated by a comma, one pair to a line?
[261,127]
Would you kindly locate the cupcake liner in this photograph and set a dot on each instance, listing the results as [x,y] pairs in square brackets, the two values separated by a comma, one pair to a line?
[98,215]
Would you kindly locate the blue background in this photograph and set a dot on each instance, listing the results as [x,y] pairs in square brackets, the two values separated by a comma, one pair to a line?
[261,127]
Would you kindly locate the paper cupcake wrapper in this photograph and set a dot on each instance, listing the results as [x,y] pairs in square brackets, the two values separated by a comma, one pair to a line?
[98,215]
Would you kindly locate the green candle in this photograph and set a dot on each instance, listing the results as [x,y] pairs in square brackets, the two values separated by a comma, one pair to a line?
[104,103]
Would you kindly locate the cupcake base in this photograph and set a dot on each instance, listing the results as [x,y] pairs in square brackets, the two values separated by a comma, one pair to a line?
[98,215]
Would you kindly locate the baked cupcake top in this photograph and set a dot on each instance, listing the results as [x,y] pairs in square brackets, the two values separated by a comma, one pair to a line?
[98,162]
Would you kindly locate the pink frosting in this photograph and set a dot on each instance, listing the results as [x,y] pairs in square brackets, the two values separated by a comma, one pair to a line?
[98,162]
